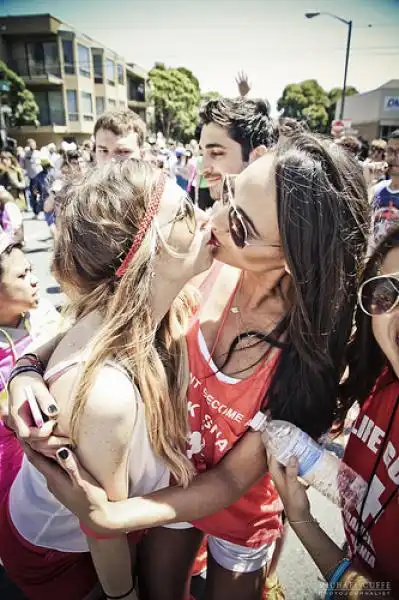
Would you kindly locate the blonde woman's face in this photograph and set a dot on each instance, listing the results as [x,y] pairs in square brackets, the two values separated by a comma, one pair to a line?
[185,232]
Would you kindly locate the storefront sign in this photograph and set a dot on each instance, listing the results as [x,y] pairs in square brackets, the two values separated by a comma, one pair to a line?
[391,103]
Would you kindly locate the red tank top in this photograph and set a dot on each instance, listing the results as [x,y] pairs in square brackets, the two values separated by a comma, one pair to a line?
[378,550]
[220,410]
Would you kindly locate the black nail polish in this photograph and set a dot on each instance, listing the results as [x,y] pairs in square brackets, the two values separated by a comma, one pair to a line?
[63,453]
[52,409]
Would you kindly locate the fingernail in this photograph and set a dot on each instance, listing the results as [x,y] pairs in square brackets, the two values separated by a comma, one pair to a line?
[63,453]
[52,409]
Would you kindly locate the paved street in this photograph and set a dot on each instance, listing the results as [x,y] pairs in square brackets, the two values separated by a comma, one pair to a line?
[39,250]
[297,572]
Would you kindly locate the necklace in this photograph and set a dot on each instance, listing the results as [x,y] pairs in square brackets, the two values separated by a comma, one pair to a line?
[235,309]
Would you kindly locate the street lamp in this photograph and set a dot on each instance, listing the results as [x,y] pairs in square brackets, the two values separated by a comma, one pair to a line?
[312,15]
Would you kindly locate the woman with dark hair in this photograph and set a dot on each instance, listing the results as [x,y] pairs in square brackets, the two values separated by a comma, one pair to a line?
[274,322]
[12,178]
[373,446]
[24,317]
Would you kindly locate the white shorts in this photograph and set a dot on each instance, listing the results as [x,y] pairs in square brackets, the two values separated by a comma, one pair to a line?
[232,557]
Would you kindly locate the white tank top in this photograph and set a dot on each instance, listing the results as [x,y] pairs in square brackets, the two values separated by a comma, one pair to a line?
[43,521]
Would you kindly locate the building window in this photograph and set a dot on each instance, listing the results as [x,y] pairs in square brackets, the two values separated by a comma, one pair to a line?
[35,59]
[51,107]
[87,106]
[110,71]
[69,63]
[72,103]
[18,58]
[42,59]
[98,68]
[122,104]
[100,105]
[386,130]
[112,104]
[136,89]
[121,79]
[84,61]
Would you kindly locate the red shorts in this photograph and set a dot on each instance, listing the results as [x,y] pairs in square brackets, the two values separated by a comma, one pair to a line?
[40,573]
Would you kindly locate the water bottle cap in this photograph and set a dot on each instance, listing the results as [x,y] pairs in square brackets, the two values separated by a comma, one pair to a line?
[259,422]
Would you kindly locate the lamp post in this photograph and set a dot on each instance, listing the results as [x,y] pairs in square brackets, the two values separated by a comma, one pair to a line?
[312,15]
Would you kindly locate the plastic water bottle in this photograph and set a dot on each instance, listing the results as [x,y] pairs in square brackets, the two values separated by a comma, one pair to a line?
[316,466]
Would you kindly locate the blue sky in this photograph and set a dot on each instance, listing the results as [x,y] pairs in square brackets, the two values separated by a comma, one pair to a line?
[270,39]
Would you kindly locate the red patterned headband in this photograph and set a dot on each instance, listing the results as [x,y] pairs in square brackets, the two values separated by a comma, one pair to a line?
[151,211]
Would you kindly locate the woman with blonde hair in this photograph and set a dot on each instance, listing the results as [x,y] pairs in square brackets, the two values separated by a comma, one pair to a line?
[129,242]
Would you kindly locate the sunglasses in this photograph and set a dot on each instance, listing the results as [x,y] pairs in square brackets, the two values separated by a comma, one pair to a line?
[185,212]
[238,228]
[379,295]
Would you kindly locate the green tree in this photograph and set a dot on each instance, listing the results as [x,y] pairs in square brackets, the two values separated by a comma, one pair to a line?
[190,75]
[306,101]
[176,96]
[205,97]
[334,96]
[24,109]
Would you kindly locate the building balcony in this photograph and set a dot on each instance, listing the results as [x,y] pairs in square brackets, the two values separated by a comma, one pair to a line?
[38,74]
[132,104]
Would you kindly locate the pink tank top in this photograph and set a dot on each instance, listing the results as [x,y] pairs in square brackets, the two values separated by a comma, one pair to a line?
[220,409]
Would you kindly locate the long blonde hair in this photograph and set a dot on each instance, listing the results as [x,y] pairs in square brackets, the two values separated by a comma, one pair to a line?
[98,219]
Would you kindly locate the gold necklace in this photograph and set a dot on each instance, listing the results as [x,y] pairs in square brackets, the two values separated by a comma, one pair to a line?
[235,310]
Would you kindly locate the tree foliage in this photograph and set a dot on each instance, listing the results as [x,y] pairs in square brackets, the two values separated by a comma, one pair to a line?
[210,96]
[308,101]
[24,109]
[176,95]
[334,96]
[305,101]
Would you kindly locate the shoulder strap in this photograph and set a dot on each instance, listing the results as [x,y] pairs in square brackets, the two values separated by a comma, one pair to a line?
[61,368]
[207,284]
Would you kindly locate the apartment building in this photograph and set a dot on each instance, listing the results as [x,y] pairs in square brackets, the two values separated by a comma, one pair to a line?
[74,79]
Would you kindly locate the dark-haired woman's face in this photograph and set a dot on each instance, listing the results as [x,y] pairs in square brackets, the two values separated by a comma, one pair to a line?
[386,326]
[255,199]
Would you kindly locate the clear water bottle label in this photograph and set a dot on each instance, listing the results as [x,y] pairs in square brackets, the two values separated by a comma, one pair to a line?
[305,451]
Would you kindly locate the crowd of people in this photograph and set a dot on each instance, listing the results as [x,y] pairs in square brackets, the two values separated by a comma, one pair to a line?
[256,271]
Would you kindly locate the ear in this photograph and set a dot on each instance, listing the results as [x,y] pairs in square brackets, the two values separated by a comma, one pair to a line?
[257,153]
[287,269]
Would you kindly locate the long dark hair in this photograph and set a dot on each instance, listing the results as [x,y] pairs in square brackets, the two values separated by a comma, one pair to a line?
[323,217]
[365,358]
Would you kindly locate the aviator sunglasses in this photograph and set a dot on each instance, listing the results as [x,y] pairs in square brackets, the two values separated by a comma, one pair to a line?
[238,226]
[186,212]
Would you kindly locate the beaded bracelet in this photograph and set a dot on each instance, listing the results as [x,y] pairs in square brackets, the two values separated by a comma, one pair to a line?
[339,571]
[33,359]
[19,370]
